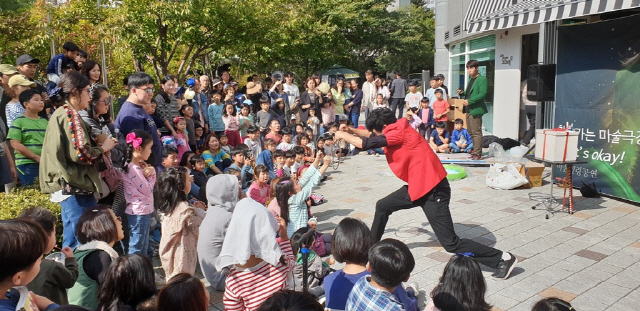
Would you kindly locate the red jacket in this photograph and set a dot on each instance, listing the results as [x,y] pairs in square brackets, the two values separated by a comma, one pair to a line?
[411,159]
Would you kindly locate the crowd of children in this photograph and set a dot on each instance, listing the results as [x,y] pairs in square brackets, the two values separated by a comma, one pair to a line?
[230,188]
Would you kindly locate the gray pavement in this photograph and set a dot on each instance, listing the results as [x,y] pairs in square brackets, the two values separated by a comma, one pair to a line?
[590,258]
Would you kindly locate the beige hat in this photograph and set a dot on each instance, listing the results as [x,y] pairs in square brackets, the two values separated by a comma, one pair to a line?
[7,69]
[21,80]
[253,88]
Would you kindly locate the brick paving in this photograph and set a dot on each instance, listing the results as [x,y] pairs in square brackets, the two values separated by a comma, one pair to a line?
[591,258]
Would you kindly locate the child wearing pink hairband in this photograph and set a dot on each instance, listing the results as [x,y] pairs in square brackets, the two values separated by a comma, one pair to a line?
[138,179]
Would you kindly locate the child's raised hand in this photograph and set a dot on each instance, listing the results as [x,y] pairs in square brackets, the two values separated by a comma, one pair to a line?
[327,160]
[282,229]
[68,252]
[200,204]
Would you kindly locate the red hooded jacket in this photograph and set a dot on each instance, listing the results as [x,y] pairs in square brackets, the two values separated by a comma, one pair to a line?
[411,159]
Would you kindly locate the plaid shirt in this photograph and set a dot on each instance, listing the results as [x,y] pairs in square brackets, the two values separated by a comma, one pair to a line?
[365,297]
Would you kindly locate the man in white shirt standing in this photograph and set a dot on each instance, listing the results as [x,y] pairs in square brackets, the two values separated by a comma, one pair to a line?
[293,93]
[369,93]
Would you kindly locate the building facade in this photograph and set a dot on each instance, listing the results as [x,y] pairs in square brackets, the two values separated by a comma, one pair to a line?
[506,36]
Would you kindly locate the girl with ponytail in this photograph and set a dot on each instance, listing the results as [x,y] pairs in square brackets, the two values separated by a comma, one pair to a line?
[138,180]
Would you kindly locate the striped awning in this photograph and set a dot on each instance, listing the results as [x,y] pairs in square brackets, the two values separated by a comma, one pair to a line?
[488,15]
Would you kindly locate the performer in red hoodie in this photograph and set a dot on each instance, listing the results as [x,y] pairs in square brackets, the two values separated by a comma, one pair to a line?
[412,160]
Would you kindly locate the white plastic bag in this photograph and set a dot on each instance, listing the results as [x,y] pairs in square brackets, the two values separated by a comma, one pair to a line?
[505,176]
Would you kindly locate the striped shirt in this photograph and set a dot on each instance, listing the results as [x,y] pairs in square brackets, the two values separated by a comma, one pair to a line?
[247,289]
[30,133]
[13,110]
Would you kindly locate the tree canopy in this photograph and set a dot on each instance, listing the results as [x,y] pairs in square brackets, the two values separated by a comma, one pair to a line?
[186,37]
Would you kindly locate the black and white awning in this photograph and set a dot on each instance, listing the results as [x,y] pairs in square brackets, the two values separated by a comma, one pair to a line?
[485,15]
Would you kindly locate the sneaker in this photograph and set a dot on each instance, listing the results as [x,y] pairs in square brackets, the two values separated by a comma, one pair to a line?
[505,267]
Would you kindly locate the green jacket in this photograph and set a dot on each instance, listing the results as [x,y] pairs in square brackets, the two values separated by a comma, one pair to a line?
[85,292]
[54,279]
[60,159]
[476,96]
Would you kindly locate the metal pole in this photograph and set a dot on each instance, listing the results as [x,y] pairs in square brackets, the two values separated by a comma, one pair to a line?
[53,43]
[102,56]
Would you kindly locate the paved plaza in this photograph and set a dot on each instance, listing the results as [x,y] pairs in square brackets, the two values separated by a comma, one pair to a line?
[590,258]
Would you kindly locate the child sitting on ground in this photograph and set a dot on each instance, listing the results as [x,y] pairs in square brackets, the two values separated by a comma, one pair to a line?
[390,264]
[169,157]
[54,278]
[259,189]
[180,222]
[26,136]
[351,244]
[439,140]
[198,166]
[266,157]
[292,194]
[460,274]
[244,165]
[224,143]
[97,231]
[309,133]
[460,138]
[286,143]
[278,161]
[305,143]
[258,265]
[22,245]
[253,141]
[289,160]
[317,269]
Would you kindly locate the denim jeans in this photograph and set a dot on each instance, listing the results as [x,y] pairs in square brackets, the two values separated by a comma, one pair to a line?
[139,229]
[72,209]
[28,173]
[354,115]
[456,149]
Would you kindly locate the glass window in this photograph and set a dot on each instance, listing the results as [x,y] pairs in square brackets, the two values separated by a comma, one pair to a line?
[487,69]
[486,42]
[458,48]
[457,74]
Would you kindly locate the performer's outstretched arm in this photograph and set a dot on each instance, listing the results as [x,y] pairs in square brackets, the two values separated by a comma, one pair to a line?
[363,142]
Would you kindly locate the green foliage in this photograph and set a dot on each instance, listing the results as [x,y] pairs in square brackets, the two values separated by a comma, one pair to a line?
[190,37]
[20,198]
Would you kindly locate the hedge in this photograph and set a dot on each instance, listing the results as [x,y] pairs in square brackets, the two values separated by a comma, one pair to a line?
[23,197]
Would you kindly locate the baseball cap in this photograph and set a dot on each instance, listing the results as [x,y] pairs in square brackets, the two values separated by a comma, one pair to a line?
[215,82]
[7,69]
[21,80]
[248,102]
[191,82]
[26,59]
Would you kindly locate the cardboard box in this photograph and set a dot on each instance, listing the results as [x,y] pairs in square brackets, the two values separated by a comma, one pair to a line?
[533,172]
[552,145]
[455,112]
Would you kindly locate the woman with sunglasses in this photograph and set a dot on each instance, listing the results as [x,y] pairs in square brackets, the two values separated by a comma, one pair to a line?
[69,159]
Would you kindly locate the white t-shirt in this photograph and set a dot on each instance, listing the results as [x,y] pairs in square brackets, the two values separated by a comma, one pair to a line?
[413,99]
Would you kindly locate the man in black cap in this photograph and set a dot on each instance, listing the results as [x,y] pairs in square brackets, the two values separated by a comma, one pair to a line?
[28,66]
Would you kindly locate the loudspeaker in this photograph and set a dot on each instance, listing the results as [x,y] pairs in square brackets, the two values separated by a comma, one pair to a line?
[541,82]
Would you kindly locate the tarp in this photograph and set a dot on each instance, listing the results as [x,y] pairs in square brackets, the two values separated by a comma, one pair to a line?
[598,90]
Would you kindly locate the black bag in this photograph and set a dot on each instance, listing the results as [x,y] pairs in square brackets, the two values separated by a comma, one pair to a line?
[589,191]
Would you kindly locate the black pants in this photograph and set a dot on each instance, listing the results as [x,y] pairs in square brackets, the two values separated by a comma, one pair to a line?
[397,103]
[531,132]
[435,205]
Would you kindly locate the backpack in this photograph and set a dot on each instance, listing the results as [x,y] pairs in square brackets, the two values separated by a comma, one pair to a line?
[589,191]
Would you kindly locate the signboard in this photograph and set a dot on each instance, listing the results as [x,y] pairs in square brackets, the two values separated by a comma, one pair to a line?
[598,91]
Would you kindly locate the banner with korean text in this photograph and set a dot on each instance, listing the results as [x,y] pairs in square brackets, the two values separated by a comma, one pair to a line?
[598,90]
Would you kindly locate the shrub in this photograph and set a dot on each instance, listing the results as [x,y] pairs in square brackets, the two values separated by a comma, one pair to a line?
[20,198]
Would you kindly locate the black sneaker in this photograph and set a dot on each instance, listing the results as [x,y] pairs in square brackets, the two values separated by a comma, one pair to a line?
[505,267]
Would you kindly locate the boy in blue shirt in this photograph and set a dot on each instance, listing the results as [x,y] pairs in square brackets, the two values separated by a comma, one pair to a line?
[460,138]
[439,140]
[60,61]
